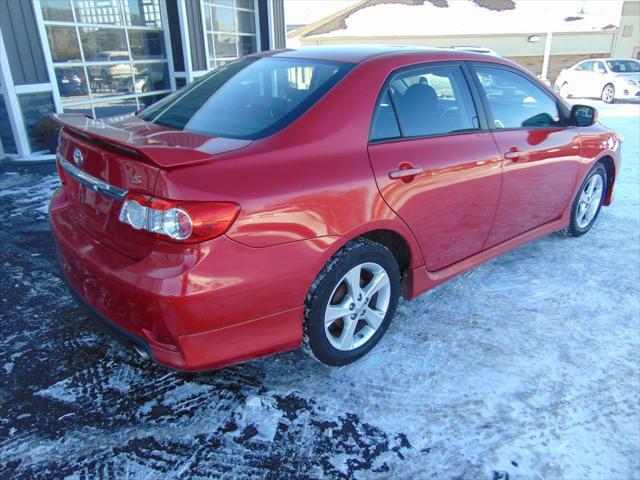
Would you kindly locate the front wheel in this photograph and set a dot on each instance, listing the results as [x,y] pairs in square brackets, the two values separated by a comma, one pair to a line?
[564,90]
[588,202]
[351,303]
[608,94]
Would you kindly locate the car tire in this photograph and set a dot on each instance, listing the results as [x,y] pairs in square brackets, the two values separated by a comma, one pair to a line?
[362,311]
[608,94]
[588,201]
[564,91]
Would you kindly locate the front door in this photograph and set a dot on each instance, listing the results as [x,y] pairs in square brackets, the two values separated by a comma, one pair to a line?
[541,155]
[433,164]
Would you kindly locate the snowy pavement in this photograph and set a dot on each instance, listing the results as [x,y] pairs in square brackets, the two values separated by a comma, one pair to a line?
[527,367]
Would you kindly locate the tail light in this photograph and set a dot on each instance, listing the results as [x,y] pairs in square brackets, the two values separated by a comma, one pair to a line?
[186,222]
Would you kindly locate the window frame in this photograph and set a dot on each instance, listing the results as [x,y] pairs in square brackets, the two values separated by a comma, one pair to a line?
[468,81]
[563,111]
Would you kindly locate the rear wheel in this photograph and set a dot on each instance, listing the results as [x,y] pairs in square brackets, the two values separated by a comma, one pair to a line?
[588,202]
[351,303]
[608,93]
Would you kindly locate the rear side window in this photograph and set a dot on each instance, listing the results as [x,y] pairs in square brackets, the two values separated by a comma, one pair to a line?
[427,101]
[250,98]
[515,101]
[585,67]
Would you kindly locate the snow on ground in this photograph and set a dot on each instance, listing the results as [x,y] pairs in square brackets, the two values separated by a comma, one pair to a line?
[527,367]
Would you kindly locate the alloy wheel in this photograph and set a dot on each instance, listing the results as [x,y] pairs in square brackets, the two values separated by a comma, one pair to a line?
[589,201]
[357,306]
[608,94]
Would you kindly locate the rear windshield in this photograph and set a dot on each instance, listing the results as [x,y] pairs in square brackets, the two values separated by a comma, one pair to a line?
[249,98]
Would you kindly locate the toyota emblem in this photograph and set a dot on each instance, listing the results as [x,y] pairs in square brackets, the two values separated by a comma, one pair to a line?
[77,157]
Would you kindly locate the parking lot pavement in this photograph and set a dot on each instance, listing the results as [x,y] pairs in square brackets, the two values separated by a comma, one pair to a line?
[525,367]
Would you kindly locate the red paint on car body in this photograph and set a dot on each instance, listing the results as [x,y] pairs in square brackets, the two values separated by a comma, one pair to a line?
[304,192]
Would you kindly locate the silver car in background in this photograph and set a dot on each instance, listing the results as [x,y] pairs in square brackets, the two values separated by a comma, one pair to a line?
[610,79]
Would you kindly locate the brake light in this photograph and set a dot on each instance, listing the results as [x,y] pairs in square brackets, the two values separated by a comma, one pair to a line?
[187,222]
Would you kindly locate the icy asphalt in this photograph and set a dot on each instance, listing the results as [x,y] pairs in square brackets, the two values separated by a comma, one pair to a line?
[527,367]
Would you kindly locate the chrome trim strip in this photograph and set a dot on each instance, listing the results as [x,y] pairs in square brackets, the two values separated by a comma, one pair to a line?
[92,182]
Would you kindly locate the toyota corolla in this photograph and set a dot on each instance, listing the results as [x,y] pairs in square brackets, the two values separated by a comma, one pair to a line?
[289,198]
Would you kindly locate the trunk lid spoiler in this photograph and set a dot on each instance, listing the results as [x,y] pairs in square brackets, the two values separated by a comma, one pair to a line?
[151,143]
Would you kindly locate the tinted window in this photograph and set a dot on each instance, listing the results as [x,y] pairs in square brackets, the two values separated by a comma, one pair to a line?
[249,98]
[431,101]
[515,101]
[585,67]
[599,67]
[385,124]
[624,66]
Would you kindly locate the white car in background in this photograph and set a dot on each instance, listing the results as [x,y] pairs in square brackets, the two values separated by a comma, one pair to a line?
[610,79]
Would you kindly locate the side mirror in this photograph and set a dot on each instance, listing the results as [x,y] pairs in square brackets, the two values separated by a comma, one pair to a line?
[583,115]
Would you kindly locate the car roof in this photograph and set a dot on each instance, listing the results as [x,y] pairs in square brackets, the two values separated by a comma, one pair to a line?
[360,53]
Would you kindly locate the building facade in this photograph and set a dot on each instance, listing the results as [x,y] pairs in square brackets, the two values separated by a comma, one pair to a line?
[521,30]
[110,57]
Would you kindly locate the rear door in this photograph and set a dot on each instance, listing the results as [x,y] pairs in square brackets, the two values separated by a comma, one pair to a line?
[541,154]
[434,164]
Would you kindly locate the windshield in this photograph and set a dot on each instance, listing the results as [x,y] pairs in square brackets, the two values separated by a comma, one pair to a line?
[624,66]
[249,98]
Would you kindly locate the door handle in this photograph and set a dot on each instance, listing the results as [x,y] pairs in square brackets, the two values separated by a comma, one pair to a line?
[406,172]
[513,155]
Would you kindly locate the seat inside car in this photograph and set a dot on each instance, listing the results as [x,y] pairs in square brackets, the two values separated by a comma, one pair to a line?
[418,110]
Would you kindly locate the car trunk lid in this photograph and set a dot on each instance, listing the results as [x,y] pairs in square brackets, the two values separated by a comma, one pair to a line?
[100,161]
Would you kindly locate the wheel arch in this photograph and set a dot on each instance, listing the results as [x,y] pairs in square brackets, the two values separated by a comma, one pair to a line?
[610,167]
[400,242]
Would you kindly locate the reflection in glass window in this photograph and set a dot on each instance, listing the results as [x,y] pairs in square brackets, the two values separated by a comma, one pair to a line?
[246,22]
[247,45]
[223,19]
[150,100]
[6,135]
[230,27]
[249,98]
[63,42]
[432,101]
[103,44]
[57,10]
[515,101]
[72,83]
[118,107]
[35,107]
[107,80]
[150,77]
[107,54]
[225,45]
[107,12]
[146,44]
[245,4]
[84,109]
[143,13]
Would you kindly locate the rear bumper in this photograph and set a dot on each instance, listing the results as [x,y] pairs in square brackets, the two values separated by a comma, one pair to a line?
[190,308]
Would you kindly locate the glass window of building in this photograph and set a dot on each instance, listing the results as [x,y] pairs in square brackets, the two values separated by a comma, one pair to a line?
[230,27]
[109,56]
[7,144]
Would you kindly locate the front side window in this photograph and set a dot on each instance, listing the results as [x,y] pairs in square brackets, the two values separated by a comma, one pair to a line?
[249,98]
[428,101]
[515,101]
[624,66]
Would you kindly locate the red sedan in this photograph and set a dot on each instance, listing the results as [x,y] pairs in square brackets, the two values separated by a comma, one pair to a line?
[291,197]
